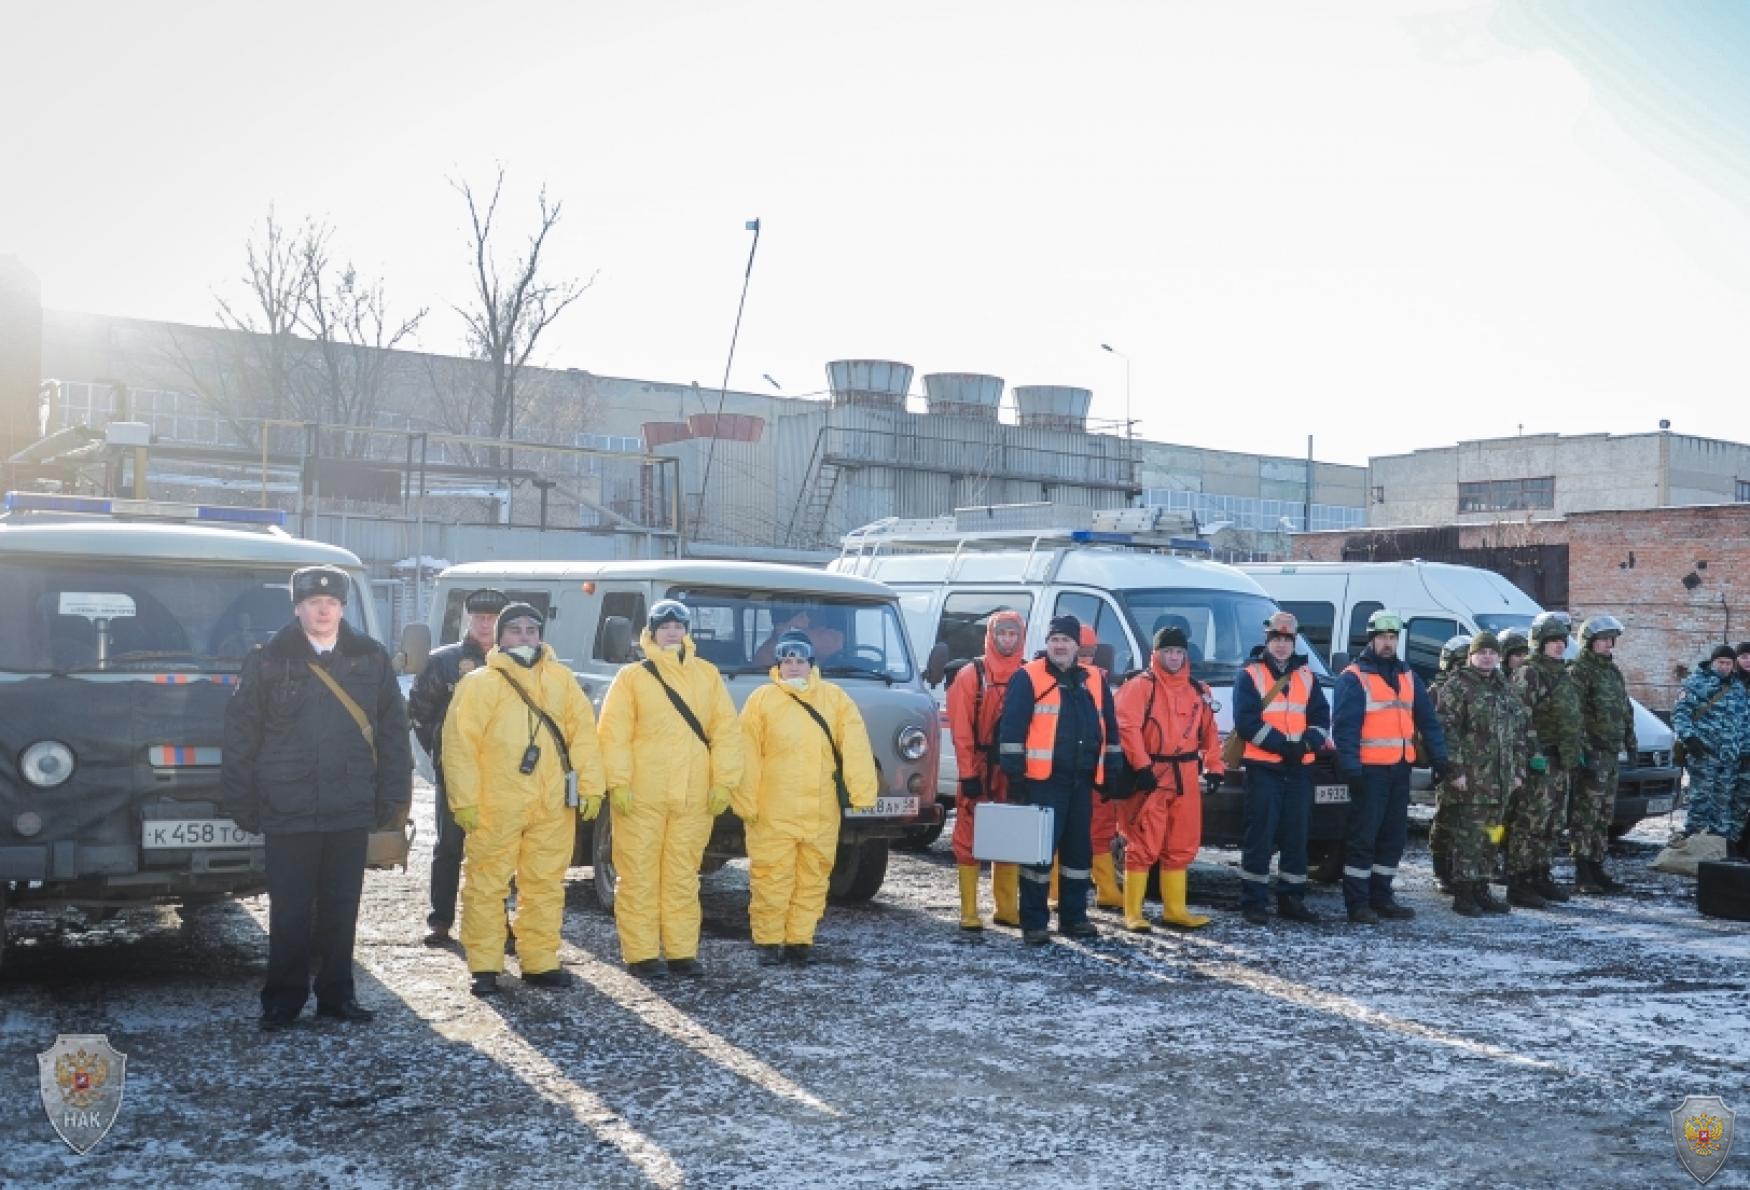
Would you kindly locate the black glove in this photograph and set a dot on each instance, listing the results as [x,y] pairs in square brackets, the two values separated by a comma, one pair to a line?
[1211,782]
[1696,746]
[1292,751]
[971,788]
[1144,780]
[1437,770]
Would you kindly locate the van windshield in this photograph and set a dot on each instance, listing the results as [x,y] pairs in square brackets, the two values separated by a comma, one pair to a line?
[1222,626]
[77,616]
[853,638]
[1501,621]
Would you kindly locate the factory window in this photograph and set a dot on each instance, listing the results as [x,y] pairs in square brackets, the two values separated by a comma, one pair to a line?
[1743,493]
[1507,495]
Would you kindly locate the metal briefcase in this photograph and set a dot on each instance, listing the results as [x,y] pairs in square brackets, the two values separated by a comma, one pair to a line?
[1011,834]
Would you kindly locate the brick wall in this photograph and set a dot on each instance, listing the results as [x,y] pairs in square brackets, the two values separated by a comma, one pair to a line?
[1678,579]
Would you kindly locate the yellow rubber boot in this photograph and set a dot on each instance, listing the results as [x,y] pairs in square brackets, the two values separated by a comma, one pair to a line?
[1051,897]
[1106,894]
[1005,890]
[1173,911]
[969,918]
[1135,888]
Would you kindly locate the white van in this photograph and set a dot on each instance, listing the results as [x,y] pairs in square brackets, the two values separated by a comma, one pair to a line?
[1124,585]
[1438,601]
[128,623]
[596,610]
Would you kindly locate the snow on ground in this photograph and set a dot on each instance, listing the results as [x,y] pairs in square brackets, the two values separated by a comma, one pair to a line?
[1543,1049]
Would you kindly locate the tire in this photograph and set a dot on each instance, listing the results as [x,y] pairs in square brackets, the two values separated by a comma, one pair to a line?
[858,872]
[1722,889]
[607,878]
[2,926]
[919,838]
[1324,861]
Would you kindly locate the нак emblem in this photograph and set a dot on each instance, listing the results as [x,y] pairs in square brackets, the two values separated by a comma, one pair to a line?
[81,1076]
[1702,1129]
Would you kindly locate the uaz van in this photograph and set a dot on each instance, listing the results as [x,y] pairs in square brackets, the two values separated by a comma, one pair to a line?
[595,611]
[1438,601]
[128,622]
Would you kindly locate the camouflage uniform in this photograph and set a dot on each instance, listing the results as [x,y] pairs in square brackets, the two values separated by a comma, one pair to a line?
[1608,725]
[1452,659]
[1487,730]
[1713,710]
[1554,701]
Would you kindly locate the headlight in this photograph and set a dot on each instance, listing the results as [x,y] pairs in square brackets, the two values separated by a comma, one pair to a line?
[46,763]
[912,743]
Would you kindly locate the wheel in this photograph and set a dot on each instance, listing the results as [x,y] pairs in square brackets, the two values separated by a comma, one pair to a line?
[607,879]
[858,871]
[1617,832]
[919,838]
[1722,889]
[2,925]
[1324,861]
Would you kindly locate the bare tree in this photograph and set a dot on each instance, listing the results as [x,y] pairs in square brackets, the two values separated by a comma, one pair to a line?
[354,335]
[509,308]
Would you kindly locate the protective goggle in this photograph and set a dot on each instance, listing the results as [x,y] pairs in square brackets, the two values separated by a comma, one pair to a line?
[794,650]
[1281,624]
[670,611]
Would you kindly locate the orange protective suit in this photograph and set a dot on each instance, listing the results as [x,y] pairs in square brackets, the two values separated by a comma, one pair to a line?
[1165,727]
[972,720]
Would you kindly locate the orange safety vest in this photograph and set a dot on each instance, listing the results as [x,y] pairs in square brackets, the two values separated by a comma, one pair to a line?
[1047,704]
[1286,712]
[1388,731]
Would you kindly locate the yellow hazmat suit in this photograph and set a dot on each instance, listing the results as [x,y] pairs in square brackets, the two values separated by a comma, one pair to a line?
[789,804]
[660,839]
[525,828]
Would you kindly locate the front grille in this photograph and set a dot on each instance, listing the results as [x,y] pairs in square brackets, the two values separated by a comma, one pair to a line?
[1656,759]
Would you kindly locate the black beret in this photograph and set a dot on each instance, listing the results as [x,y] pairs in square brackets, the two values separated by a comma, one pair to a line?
[1066,626]
[1725,651]
[1172,637]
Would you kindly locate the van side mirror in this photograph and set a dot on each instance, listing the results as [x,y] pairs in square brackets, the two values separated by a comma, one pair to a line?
[1105,656]
[1339,662]
[937,664]
[415,649]
[617,640]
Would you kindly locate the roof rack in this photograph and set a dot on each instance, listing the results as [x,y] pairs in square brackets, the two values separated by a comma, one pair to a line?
[1003,527]
[51,504]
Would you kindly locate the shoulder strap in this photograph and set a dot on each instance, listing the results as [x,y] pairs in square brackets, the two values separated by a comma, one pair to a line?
[352,708]
[1281,685]
[680,704]
[558,736]
[838,760]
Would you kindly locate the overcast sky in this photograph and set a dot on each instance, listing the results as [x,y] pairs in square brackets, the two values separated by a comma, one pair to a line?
[1386,224]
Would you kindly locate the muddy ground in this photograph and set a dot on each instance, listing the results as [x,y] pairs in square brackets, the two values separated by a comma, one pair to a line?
[1544,1049]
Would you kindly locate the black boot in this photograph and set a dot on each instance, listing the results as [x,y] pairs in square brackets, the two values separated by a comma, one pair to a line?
[485,983]
[1590,877]
[1521,891]
[1486,900]
[1547,888]
[556,980]
[1294,909]
[1443,873]
[771,954]
[1464,900]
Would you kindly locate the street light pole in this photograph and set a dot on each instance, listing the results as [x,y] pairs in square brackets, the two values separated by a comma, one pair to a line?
[1129,426]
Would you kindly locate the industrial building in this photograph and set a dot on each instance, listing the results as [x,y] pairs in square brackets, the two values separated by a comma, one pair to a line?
[1541,476]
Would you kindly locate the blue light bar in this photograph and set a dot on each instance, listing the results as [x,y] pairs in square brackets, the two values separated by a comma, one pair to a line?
[156,509]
